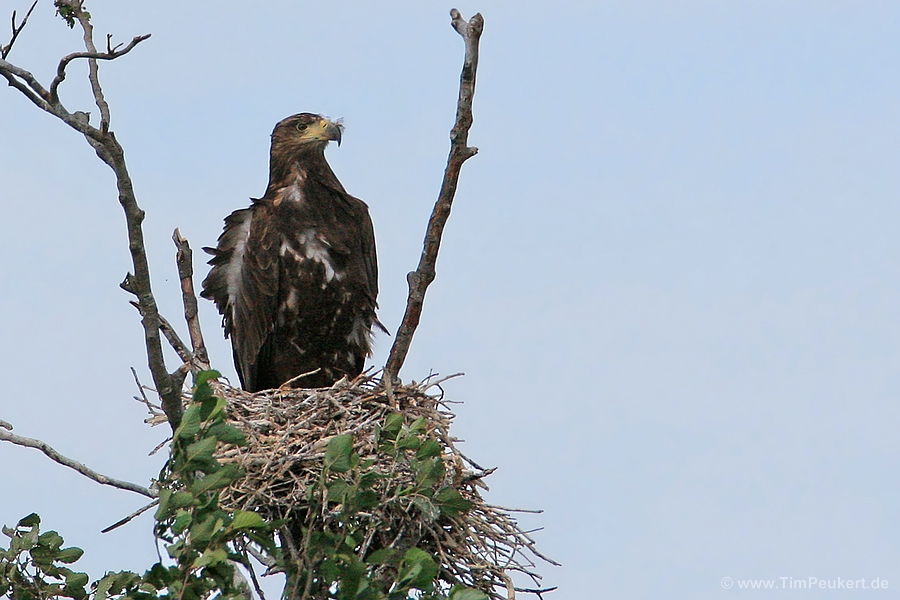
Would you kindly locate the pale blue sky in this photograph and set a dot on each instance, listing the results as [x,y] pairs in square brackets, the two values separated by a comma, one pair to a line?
[670,275]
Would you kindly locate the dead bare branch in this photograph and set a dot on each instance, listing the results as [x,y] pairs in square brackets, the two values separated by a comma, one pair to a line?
[110,54]
[108,149]
[460,151]
[29,86]
[130,517]
[155,411]
[166,328]
[184,259]
[74,464]
[16,30]
[172,337]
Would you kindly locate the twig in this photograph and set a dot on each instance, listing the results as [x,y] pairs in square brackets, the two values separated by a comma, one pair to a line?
[460,151]
[259,590]
[246,551]
[537,592]
[287,384]
[425,385]
[16,30]
[93,56]
[184,258]
[74,464]
[510,588]
[130,517]
[174,340]
[153,409]
[263,559]
[165,327]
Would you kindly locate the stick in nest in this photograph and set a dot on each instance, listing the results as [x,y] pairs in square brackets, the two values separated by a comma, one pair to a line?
[287,433]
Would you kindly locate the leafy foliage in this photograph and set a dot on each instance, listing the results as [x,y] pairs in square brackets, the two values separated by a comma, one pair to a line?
[335,559]
[199,535]
[67,11]
[203,540]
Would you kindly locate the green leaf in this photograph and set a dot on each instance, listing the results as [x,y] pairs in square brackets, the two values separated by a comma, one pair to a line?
[367,499]
[66,13]
[69,555]
[50,540]
[102,587]
[451,502]
[429,472]
[75,582]
[338,491]
[464,593]
[181,500]
[113,584]
[417,569]
[246,518]
[429,510]
[202,532]
[220,479]
[190,423]
[125,579]
[418,425]
[329,570]
[228,434]
[206,376]
[203,395]
[211,557]
[337,453]
[383,556]
[411,442]
[183,520]
[165,494]
[32,520]
[353,578]
[429,449]
[369,479]
[79,579]
[211,407]
[392,425]
[175,550]
[201,451]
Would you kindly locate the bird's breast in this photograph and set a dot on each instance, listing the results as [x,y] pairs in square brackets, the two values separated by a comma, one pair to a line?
[309,249]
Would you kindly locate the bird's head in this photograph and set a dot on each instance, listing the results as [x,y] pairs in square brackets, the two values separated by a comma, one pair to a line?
[306,131]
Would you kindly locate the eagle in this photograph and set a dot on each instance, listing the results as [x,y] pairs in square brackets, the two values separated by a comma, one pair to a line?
[295,275]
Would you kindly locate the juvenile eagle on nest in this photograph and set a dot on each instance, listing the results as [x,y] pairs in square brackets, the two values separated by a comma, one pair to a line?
[294,275]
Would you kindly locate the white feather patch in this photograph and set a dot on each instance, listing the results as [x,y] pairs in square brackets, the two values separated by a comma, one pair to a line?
[358,333]
[315,248]
[233,269]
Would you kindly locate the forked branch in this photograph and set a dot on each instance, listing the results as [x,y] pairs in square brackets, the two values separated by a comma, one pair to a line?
[104,143]
[460,152]
[110,54]
[16,30]
[184,258]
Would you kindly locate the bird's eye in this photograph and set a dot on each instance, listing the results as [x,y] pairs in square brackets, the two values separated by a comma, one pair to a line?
[302,126]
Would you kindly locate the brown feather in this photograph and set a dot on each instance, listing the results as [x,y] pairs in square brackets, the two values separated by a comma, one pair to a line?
[295,275]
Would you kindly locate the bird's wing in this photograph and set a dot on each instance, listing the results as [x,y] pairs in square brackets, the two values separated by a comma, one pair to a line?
[244,283]
[369,256]
[367,243]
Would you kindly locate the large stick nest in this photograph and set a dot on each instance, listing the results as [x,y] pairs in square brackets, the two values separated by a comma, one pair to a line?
[288,431]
